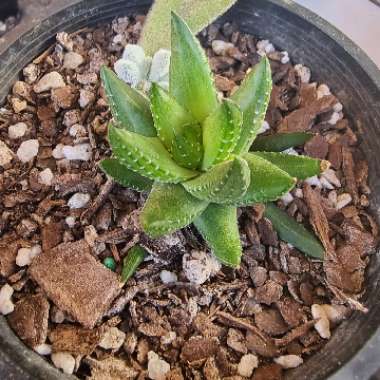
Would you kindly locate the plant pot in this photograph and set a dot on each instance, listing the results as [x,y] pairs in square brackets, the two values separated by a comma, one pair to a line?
[308,39]
[8,8]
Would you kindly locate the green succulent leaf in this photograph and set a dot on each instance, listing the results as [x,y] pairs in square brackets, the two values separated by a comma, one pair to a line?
[221,131]
[132,261]
[197,13]
[168,208]
[294,233]
[146,156]
[253,97]
[125,177]
[176,129]
[223,183]
[268,182]
[129,107]
[280,141]
[191,83]
[218,226]
[301,167]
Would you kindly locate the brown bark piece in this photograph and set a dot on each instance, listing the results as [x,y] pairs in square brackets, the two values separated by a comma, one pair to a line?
[317,147]
[260,347]
[198,348]
[30,319]
[268,372]
[271,322]
[268,293]
[75,340]
[349,173]
[291,311]
[9,246]
[51,235]
[75,281]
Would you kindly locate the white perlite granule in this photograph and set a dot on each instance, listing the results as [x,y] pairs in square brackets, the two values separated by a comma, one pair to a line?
[6,304]
[45,177]
[25,256]
[168,277]
[6,155]
[247,364]
[28,150]
[17,130]
[199,266]
[323,324]
[48,82]
[113,339]
[64,361]
[289,361]
[81,152]
[79,200]
[157,368]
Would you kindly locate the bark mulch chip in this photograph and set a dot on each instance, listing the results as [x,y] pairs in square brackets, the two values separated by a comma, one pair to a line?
[76,282]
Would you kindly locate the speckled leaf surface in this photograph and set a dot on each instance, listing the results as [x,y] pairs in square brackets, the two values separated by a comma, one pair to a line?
[129,107]
[218,226]
[223,183]
[221,131]
[268,182]
[176,129]
[300,167]
[146,156]
[124,176]
[294,233]
[168,208]
[191,82]
[253,97]
[197,13]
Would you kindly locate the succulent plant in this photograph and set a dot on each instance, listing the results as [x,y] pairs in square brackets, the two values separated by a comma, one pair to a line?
[191,151]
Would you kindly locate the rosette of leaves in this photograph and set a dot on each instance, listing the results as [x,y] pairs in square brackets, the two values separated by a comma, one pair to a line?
[190,149]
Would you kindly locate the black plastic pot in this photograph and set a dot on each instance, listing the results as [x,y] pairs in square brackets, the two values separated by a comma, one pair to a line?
[8,8]
[354,350]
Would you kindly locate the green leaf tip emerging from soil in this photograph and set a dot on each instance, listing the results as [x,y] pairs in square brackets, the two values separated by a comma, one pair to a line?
[132,261]
[294,233]
[197,13]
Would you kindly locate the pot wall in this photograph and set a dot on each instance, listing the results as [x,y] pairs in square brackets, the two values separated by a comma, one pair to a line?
[308,39]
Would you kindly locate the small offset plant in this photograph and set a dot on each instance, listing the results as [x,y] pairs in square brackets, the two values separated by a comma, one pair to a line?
[190,149]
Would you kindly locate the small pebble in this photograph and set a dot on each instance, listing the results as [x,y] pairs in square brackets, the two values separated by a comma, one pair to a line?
[290,151]
[287,199]
[168,277]
[264,47]
[18,105]
[77,130]
[6,304]
[64,361]
[112,339]
[343,200]
[335,117]
[335,313]
[247,364]
[323,90]
[168,338]
[220,47]
[85,98]
[289,361]
[72,60]
[70,221]
[43,349]
[31,73]
[326,184]
[303,72]
[49,81]
[25,256]
[285,57]
[331,176]
[298,193]
[338,107]
[79,200]
[17,130]
[28,150]
[157,368]
[314,181]
[110,263]
[6,155]
[45,177]
[80,152]
[265,127]
[57,152]
[199,266]
[323,324]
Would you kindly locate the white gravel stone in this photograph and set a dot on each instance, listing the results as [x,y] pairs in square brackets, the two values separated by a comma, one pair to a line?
[290,151]
[323,90]
[112,339]
[64,361]
[167,277]
[289,361]
[314,181]
[6,304]
[77,130]
[6,155]
[25,256]
[265,127]
[157,368]
[199,266]
[247,364]
[28,150]
[335,313]
[323,324]
[58,152]
[264,47]
[338,107]
[45,177]
[43,349]
[343,200]
[70,221]
[285,57]
[221,47]
[287,199]
[31,73]
[79,200]
[298,193]
[326,184]
[85,97]
[331,176]
[335,117]
[49,81]
[81,152]
[72,60]
[17,130]
[303,72]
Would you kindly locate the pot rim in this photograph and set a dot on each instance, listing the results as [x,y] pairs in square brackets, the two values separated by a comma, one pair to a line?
[13,352]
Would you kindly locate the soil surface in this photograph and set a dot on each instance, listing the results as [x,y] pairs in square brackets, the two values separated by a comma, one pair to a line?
[182,315]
